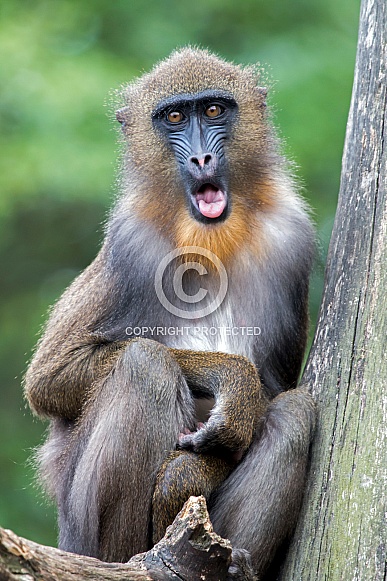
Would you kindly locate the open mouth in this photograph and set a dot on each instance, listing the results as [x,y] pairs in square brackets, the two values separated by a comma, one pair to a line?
[210,201]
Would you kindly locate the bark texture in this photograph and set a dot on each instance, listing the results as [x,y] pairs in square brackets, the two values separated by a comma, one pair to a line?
[190,551]
[342,533]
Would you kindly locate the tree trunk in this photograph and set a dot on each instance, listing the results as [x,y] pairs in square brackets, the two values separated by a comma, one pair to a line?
[342,533]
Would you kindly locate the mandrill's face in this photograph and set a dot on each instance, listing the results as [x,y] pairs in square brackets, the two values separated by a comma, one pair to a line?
[196,128]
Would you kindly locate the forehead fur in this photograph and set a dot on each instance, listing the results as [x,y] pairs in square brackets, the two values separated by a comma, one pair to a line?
[191,71]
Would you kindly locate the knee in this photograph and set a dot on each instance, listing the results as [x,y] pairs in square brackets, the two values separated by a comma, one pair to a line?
[148,356]
[292,416]
[148,366]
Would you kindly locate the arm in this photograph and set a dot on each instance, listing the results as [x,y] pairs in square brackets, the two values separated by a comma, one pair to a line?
[70,357]
[239,399]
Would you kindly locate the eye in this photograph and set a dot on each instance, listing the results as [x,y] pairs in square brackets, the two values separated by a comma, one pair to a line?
[175,117]
[214,110]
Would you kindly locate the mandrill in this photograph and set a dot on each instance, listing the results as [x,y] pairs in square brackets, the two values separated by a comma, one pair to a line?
[169,367]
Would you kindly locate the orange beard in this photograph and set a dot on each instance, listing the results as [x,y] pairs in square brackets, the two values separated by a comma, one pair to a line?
[227,240]
[224,239]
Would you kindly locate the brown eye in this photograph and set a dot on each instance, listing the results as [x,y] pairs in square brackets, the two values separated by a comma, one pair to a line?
[175,117]
[214,111]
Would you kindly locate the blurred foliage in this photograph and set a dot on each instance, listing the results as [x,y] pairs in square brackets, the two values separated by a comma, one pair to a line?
[59,61]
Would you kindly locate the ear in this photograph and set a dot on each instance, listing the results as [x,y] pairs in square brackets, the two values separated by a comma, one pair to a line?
[262,95]
[122,116]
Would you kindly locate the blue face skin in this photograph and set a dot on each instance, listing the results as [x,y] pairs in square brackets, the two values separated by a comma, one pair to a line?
[196,128]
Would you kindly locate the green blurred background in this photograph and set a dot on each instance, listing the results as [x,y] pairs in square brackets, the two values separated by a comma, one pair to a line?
[59,59]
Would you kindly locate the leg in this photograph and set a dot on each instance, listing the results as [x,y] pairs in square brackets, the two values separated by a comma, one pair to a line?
[257,506]
[182,475]
[109,469]
[219,444]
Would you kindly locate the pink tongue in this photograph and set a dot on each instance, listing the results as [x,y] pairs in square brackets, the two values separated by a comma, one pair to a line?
[211,202]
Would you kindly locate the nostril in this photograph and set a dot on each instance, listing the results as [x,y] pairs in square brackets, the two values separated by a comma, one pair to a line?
[202,160]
